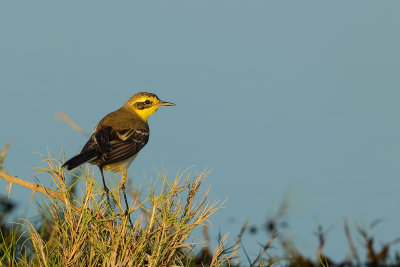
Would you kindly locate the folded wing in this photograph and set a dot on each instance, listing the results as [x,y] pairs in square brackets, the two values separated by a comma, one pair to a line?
[118,145]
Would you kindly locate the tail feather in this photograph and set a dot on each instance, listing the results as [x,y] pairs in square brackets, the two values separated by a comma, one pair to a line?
[79,159]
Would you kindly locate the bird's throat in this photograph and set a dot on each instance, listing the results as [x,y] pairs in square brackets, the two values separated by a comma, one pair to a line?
[144,114]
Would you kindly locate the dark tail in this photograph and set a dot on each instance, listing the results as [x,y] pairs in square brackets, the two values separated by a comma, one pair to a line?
[79,159]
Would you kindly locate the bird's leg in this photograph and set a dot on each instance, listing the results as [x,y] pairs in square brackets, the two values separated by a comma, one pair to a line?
[123,182]
[105,187]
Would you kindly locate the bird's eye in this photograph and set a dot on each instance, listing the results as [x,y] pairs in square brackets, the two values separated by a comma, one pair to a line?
[147,102]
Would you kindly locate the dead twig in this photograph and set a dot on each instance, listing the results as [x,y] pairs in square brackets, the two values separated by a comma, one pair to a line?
[32,186]
[70,122]
[351,243]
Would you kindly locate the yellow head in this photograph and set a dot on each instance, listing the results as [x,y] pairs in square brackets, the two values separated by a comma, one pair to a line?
[145,104]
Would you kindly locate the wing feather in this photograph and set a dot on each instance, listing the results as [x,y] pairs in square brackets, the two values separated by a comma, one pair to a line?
[117,145]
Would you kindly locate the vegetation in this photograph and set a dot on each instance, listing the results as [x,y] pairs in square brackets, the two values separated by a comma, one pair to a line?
[82,230]
[79,229]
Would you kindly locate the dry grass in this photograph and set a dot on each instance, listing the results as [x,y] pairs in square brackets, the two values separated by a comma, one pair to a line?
[81,230]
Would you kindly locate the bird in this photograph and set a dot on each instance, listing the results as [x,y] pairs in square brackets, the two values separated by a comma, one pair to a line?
[118,138]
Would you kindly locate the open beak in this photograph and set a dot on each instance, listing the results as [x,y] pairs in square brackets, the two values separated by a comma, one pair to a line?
[162,103]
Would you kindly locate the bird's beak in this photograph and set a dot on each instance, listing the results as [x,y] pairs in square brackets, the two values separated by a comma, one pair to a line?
[162,103]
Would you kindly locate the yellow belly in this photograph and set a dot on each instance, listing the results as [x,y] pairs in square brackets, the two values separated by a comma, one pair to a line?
[120,166]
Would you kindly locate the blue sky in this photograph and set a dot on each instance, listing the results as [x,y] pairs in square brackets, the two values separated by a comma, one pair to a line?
[296,98]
